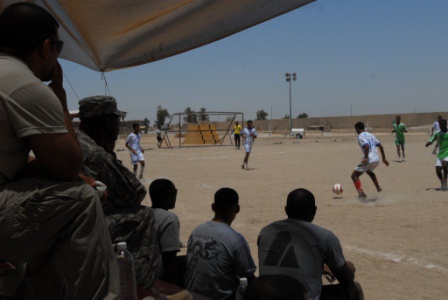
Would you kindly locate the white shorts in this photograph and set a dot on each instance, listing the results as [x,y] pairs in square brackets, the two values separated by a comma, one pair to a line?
[439,161]
[367,167]
[248,147]
[138,156]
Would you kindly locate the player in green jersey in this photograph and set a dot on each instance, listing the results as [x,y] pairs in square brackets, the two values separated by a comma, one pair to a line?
[442,158]
[399,129]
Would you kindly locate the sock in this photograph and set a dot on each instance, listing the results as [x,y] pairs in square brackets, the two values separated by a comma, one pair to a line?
[358,185]
[141,170]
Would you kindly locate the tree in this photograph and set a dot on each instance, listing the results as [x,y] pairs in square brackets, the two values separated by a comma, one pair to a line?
[202,115]
[302,116]
[162,114]
[191,117]
[261,115]
[286,116]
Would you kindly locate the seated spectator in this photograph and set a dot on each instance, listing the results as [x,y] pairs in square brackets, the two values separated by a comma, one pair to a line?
[217,255]
[48,216]
[275,287]
[297,248]
[128,221]
[163,195]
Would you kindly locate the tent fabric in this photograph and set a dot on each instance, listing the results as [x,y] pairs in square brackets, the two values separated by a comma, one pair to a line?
[105,35]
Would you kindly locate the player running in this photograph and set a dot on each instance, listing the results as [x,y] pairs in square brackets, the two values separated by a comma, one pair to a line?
[249,135]
[436,128]
[399,129]
[442,158]
[133,144]
[370,160]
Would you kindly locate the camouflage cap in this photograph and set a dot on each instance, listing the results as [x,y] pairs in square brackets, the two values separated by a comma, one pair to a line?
[98,106]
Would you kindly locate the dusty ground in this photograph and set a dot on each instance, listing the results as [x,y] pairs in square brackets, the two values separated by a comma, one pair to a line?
[397,239]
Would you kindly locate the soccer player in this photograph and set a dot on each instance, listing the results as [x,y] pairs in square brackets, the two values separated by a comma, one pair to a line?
[436,128]
[399,129]
[159,137]
[133,144]
[442,158]
[249,135]
[236,134]
[370,160]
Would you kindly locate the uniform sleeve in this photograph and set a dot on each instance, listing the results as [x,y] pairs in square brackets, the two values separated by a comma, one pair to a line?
[244,264]
[377,142]
[35,109]
[334,257]
[361,140]
[124,189]
[129,138]
[169,234]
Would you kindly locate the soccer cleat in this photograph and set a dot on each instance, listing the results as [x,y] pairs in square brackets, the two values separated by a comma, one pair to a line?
[379,189]
[140,177]
[362,196]
[247,167]
[242,166]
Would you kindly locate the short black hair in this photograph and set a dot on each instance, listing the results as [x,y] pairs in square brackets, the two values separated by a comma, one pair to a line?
[360,125]
[443,121]
[278,287]
[25,26]
[160,190]
[249,121]
[135,125]
[225,199]
[300,204]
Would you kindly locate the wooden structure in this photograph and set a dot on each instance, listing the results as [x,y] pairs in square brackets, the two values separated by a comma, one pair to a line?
[201,134]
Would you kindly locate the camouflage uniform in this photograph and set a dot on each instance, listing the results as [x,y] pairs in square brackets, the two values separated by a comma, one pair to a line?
[126,219]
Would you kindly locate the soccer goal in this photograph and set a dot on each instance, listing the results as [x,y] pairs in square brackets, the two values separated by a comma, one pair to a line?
[199,129]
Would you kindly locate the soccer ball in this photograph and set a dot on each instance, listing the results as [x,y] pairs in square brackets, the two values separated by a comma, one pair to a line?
[337,189]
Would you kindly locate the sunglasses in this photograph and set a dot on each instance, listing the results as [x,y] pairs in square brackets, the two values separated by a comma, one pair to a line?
[59,45]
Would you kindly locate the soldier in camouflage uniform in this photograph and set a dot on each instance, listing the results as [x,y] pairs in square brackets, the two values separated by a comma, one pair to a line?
[128,221]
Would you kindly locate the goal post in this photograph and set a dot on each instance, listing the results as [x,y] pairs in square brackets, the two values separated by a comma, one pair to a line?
[209,128]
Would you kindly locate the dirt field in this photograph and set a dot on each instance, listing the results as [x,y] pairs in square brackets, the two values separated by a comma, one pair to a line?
[397,239]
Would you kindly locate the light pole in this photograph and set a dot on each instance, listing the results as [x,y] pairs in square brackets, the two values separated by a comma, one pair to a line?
[289,79]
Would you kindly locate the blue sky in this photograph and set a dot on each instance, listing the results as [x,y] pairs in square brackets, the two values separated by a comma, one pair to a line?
[351,56]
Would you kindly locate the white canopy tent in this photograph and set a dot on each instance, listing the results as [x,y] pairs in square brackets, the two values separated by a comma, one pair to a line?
[105,35]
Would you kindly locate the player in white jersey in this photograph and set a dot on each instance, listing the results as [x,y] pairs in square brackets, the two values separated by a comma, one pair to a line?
[133,144]
[370,160]
[249,135]
[436,128]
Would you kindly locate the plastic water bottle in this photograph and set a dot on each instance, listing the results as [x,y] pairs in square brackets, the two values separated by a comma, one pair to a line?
[128,286]
[242,287]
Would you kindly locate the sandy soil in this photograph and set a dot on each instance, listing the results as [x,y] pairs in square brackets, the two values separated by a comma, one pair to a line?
[397,239]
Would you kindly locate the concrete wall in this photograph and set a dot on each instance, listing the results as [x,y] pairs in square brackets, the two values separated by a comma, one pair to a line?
[347,122]
[373,122]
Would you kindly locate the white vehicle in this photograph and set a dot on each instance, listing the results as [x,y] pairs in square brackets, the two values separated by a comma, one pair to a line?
[298,132]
